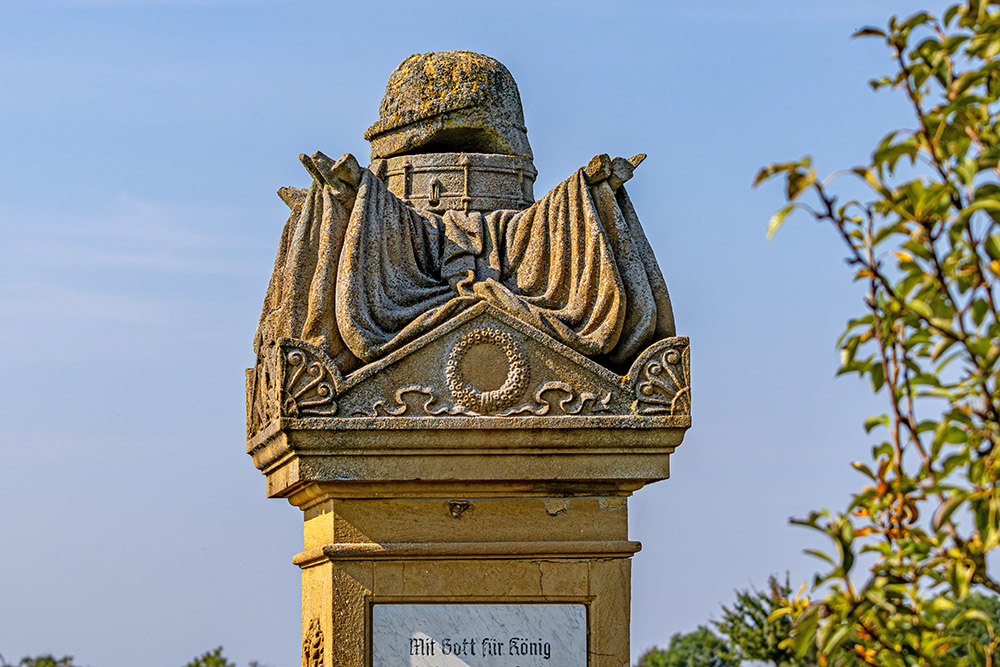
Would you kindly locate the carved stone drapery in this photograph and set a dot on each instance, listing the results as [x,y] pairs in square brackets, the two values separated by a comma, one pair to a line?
[372,259]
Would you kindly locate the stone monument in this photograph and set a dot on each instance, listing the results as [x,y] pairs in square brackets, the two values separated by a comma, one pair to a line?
[461,385]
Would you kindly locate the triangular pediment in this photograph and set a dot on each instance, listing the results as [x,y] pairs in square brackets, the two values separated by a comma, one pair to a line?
[483,369]
[483,362]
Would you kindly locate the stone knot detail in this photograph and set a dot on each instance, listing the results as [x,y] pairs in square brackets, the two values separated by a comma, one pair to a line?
[470,396]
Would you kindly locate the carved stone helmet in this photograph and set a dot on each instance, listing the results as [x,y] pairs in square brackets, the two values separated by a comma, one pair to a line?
[450,102]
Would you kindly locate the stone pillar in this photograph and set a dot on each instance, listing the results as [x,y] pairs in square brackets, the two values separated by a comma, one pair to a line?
[482,550]
[460,397]
[474,511]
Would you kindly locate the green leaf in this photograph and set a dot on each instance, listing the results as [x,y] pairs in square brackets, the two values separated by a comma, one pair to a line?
[877,377]
[955,436]
[941,347]
[977,654]
[778,613]
[953,462]
[917,19]
[890,154]
[882,449]
[992,246]
[971,615]
[837,637]
[960,578]
[920,308]
[869,32]
[946,509]
[764,174]
[966,79]
[979,310]
[805,631]
[775,222]
[772,170]
[797,182]
[818,554]
[870,424]
[864,469]
[926,425]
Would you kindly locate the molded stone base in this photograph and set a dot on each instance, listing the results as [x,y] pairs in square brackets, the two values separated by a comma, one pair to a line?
[361,552]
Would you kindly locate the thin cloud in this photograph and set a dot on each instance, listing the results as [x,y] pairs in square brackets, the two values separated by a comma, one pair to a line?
[35,304]
[138,235]
[144,260]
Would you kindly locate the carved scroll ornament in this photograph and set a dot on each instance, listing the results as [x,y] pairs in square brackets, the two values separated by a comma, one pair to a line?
[664,385]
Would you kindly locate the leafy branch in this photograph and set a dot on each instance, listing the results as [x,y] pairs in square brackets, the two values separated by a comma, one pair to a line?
[926,244]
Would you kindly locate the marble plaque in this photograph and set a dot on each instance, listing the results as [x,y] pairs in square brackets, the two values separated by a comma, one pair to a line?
[479,635]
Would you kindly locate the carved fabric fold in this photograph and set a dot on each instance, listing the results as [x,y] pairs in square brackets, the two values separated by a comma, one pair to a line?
[559,272]
[361,283]
[300,298]
[389,287]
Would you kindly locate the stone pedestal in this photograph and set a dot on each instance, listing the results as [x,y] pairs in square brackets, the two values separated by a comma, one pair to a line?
[362,552]
[411,508]
[459,535]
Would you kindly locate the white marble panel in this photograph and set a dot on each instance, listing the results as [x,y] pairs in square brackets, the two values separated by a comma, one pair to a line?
[479,635]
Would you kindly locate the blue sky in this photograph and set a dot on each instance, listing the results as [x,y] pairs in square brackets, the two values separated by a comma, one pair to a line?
[141,143]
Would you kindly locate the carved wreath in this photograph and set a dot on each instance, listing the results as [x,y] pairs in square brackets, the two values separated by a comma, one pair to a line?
[474,399]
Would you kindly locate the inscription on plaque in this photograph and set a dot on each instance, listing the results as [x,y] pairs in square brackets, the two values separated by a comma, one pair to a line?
[479,635]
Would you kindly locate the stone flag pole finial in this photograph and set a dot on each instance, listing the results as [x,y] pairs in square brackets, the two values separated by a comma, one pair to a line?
[460,385]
